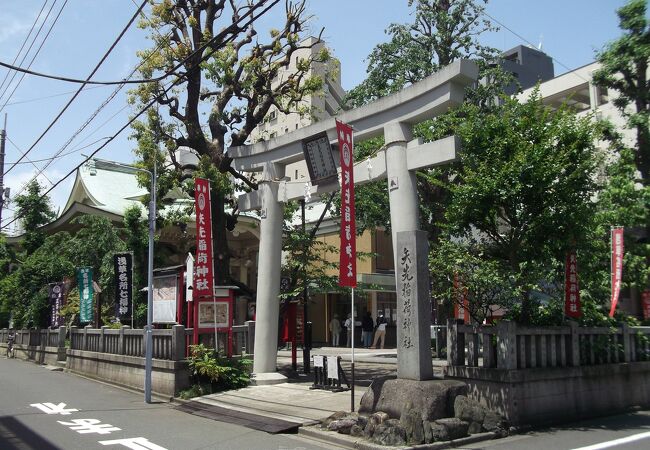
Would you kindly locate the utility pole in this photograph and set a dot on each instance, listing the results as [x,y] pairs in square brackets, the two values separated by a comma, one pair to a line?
[3,134]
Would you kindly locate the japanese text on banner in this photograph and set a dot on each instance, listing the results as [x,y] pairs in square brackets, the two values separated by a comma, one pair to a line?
[203,276]
[348,250]
[571,287]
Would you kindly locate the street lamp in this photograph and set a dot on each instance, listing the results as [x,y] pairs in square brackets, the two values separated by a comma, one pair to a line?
[98,163]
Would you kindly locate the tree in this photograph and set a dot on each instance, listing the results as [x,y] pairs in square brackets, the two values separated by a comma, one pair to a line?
[228,84]
[624,68]
[442,32]
[35,211]
[524,189]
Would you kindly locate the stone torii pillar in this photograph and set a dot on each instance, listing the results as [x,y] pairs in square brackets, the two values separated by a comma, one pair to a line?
[392,116]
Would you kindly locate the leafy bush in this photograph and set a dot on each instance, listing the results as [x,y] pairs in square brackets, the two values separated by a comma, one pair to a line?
[214,373]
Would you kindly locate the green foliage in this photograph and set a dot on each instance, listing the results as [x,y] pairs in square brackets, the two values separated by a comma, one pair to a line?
[624,69]
[34,211]
[221,374]
[524,187]
[459,271]
[441,32]
[226,89]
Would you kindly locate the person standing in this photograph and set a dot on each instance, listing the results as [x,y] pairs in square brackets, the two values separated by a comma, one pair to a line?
[335,329]
[348,328]
[367,327]
[380,332]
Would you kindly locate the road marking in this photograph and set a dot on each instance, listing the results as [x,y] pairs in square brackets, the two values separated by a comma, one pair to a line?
[138,443]
[84,426]
[51,408]
[615,442]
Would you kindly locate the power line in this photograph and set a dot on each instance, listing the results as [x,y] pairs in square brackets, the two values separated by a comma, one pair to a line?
[46,97]
[40,47]
[249,15]
[99,64]
[74,150]
[28,160]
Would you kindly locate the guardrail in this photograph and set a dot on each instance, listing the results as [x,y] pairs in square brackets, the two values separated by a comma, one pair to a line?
[511,346]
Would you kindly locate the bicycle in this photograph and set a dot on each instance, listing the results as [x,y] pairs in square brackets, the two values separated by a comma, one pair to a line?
[11,352]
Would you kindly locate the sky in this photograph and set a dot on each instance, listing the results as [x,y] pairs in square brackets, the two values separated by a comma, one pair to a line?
[570,31]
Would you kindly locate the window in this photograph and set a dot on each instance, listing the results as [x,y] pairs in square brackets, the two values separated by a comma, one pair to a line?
[273,115]
[602,96]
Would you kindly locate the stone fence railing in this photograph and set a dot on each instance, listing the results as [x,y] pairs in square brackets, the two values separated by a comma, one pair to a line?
[168,344]
[511,346]
[45,337]
[540,375]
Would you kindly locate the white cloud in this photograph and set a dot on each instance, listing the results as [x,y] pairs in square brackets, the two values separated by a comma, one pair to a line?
[11,26]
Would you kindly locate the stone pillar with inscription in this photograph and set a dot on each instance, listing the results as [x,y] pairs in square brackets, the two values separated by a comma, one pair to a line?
[413,306]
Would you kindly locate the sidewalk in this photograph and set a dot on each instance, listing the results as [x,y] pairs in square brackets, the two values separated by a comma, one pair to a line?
[286,406]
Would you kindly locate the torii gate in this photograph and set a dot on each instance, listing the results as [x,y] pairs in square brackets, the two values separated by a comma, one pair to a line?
[393,116]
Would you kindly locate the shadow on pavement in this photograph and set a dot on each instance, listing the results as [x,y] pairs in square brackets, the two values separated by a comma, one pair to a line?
[16,436]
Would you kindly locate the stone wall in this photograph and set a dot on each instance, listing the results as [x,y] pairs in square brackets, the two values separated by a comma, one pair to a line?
[544,375]
[552,395]
[38,354]
[167,377]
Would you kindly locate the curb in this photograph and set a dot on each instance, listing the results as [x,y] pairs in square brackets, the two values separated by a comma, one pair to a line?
[351,442]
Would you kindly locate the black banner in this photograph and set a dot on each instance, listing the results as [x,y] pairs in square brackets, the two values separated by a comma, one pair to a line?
[55,295]
[123,264]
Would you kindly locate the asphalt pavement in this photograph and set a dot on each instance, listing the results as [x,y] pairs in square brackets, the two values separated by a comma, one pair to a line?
[41,409]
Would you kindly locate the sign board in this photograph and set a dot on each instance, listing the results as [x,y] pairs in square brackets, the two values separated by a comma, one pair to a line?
[165,290]
[332,367]
[123,266]
[203,276]
[85,285]
[319,158]
[214,314]
[319,361]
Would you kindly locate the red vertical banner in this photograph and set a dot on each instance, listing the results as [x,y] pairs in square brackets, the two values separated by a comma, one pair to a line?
[203,277]
[617,266]
[645,304]
[348,250]
[571,286]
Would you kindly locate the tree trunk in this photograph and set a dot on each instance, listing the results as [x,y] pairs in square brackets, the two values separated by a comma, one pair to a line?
[221,253]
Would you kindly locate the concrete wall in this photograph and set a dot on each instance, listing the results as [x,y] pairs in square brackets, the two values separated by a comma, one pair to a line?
[167,377]
[39,355]
[552,395]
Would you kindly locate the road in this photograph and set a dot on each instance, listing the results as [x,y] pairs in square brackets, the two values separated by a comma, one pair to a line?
[47,410]
[621,432]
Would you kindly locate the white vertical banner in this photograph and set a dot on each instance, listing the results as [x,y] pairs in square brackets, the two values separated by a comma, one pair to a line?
[189,277]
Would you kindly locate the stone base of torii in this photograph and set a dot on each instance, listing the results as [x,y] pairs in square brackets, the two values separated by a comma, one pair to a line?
[394,117]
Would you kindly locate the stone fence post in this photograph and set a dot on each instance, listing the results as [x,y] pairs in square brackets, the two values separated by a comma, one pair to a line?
[61,342]
[627,348]
[455,343]
[84,340]
[250,337]
[121,342]
[73,331]
[574,359]
[102,337]
[178,343]
[506,345]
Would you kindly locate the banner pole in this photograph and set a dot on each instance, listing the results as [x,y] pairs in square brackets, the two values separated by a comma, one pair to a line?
[352,365]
